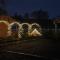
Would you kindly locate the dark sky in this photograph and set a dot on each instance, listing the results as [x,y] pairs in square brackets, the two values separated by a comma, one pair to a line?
[22,6]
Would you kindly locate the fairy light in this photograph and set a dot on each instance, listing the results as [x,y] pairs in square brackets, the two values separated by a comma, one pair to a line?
[27,25]
[37,32]
[5,22]
[10,27]
[21,29]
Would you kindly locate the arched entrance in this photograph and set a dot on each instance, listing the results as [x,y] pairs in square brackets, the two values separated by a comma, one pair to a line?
[14,30]
[25,29]
[3,29]
[35,30]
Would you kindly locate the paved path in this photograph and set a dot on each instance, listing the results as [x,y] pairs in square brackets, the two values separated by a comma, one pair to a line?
[42,47]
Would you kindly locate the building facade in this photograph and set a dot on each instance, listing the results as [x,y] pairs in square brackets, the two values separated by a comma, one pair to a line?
[10,27]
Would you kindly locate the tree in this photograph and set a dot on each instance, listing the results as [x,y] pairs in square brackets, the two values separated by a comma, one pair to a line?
[40,17]
[34,15]
[17,17]
[3,12]
[26,17]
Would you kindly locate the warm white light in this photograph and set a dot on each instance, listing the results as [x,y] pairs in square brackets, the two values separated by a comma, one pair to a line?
[35,32]
[5,22]
[10,27]
[27,25]
[31,31]
[2,21]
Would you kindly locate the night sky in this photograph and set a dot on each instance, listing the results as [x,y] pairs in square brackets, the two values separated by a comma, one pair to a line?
[22,6]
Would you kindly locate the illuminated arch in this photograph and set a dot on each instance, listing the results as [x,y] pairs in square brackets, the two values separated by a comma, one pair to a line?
[27,25]
[36,24]
[39,28]
[10,26]
[5,22]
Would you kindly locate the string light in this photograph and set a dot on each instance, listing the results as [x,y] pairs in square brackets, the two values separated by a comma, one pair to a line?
[21,29]
[5,22]
[10,28]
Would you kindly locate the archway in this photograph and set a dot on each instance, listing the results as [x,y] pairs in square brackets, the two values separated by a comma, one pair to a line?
[25,29]
[14,29]
[3,29]
[35,30]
